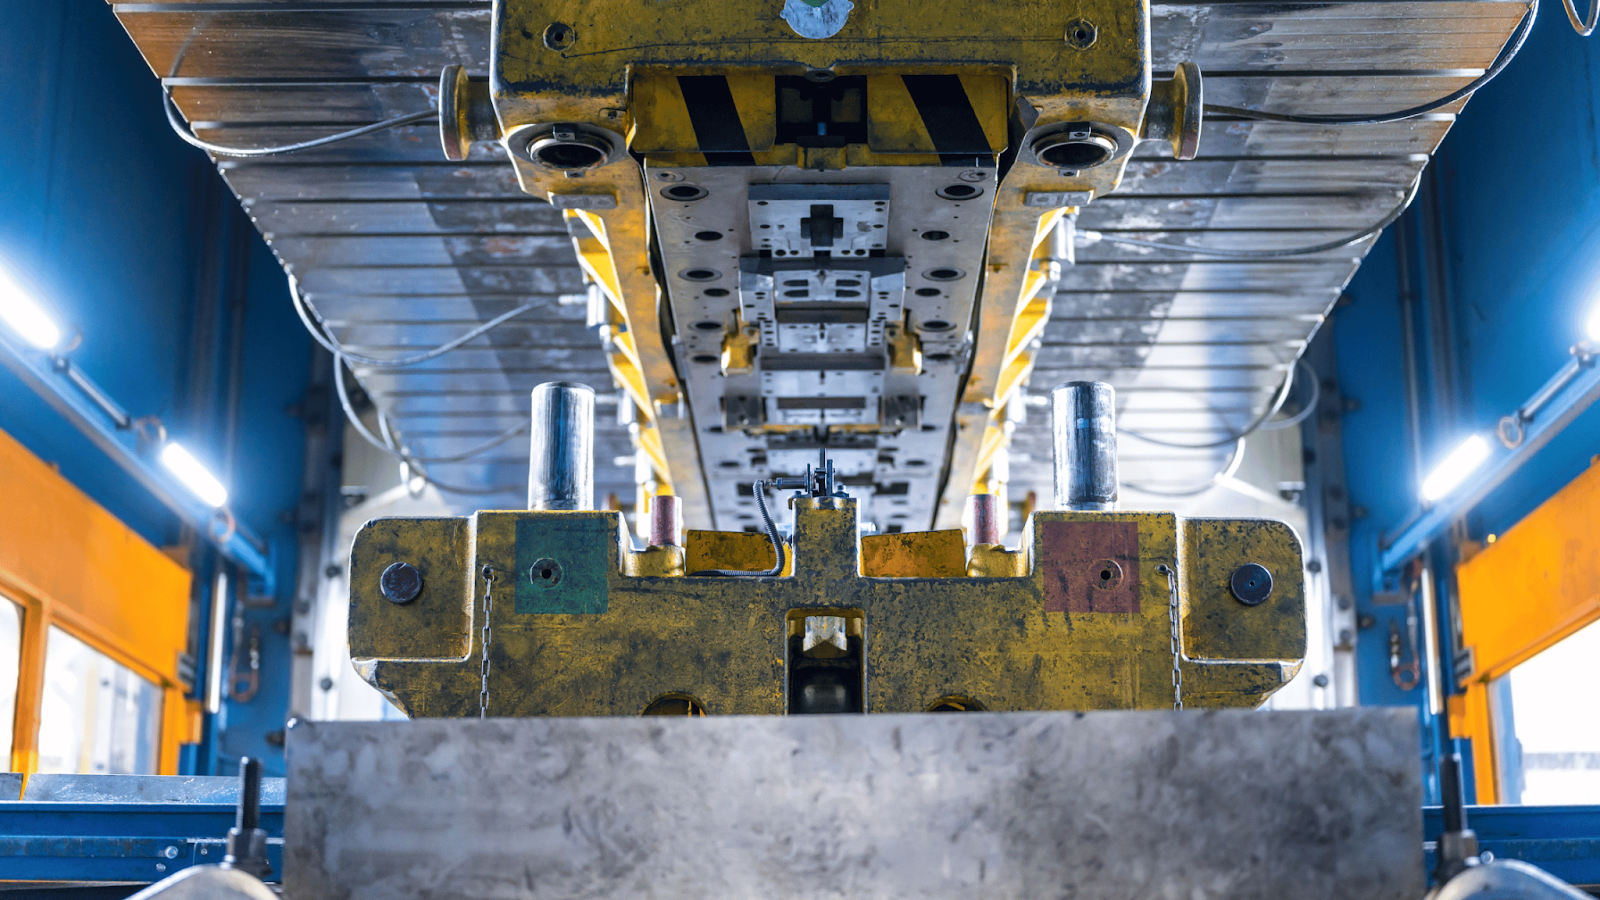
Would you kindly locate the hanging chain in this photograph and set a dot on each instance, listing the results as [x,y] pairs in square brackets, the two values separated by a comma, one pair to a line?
[1172,606]
[488,613]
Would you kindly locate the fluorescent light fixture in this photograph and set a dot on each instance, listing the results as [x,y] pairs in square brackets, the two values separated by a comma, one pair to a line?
[23,315]
[1454,468]
[196,477]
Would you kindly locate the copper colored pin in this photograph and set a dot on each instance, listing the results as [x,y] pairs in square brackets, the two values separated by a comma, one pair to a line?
[664,520]
[984,510]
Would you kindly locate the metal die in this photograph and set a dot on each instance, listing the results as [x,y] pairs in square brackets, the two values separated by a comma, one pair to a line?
[599,641]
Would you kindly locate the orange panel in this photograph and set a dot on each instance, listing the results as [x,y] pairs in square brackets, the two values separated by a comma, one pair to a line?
[1537,584]
[71,563]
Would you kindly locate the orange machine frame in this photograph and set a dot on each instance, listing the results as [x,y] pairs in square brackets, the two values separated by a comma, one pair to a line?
[1536,585]
[68,562]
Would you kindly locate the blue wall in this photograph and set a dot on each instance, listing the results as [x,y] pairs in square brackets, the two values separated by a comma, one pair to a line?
[1518,186]
[130,236]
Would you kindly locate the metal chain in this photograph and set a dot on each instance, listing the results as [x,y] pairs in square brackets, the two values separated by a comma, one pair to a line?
[1172,606]
[488,613]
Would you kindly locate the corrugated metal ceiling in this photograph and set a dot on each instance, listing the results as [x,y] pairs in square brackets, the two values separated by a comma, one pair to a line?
[400,250]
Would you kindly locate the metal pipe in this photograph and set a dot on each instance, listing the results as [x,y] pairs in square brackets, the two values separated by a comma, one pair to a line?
[665,521]
[561,464]
[984,511]
[1084,431]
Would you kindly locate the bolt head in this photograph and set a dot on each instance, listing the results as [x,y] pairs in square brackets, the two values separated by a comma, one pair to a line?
[1251,584]
[401,582]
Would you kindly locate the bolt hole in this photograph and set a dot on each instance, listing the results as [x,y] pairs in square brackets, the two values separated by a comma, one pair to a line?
[684,192]
[559,36]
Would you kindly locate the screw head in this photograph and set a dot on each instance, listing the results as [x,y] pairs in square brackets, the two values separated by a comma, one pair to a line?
[1251,584]
[401,582]
[170,853]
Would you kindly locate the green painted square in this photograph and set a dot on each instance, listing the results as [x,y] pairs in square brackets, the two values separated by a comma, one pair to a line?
[561,564]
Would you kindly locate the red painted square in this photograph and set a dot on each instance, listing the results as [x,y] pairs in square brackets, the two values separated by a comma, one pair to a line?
[1090,567]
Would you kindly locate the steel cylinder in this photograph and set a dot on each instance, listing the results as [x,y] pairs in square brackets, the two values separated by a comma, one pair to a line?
[561,464]
[984,511]
[1083,428]
[664,520]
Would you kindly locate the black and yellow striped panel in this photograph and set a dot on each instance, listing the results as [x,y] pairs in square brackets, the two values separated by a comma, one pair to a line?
[725,117]
[731,120]
[953,116]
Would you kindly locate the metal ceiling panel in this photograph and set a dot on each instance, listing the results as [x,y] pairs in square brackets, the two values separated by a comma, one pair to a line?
[399,249]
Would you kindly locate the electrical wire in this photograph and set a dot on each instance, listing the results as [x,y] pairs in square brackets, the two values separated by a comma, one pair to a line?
[1227,471]
[1306,409]
[1584,27]
[1518,37]
[1336,244]
[1237,456]
[386,444]
[324,335]
[183,131]
[759,489]
[341,357]
[1276,406]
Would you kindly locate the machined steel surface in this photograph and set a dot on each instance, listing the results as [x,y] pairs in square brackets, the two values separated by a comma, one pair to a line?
[400,249]
[561,462]
[144,789]
[1083,430]
[1219,805]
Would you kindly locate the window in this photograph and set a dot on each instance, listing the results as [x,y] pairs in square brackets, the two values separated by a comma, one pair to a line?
[10,668]
[98,716]
[1547,733]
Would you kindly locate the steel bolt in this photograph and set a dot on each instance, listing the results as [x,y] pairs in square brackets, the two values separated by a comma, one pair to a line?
[161,867]
[1320,681]
[1251,584]
[170,853]
[401,582]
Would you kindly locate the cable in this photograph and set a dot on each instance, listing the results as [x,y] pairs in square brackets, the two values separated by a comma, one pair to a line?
[183,131]
[1506,55]
[399,453]
[1306,409]
[322,335]
[1227,471]
[1363,234]
[1272,410]
[1584,27]
[759,489]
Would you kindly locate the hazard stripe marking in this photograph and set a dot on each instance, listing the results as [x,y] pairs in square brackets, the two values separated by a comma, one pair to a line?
[715,119]
[948,116]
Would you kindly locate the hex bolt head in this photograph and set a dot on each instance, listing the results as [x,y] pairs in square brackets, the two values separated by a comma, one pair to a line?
[1251,584]
[401,582]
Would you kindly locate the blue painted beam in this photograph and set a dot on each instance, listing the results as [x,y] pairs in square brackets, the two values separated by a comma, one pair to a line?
[93,412]
[1563,398]
[1562,840]
[141,842]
